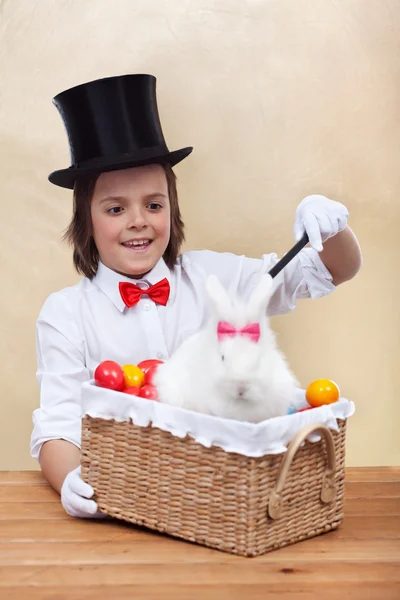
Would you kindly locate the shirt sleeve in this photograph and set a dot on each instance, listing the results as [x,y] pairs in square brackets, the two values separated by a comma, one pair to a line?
[60,372]
[305,276]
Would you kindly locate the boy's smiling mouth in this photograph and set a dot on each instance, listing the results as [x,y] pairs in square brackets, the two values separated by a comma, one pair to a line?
[137,245]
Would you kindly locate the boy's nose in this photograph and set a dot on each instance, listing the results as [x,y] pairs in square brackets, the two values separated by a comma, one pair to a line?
[137,219]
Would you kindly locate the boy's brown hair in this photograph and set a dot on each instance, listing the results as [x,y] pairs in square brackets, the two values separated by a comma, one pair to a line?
[80,230]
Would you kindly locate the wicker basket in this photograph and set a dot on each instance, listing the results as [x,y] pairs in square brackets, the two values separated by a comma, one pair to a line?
[235,503]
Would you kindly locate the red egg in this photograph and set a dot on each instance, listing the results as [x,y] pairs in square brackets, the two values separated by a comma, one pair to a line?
[133,390]
[145,365]
[108,374]
[149,375]
[149,392]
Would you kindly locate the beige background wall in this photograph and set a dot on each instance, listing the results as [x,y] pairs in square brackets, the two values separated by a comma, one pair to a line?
[280,99]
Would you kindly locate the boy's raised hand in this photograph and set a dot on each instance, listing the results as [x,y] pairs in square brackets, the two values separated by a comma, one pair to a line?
[320,218]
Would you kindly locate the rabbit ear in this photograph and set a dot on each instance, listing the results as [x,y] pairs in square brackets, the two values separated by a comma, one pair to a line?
[260,296]
[218,295]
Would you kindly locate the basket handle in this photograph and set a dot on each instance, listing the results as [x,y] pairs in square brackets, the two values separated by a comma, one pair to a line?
[328,491]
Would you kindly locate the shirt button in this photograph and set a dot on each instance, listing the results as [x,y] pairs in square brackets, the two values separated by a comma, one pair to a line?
[159,354]
[147,306]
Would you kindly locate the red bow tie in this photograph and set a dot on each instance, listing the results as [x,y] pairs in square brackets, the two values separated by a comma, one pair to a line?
[131,293]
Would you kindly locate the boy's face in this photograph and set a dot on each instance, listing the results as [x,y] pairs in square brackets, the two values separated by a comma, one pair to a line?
[130,212]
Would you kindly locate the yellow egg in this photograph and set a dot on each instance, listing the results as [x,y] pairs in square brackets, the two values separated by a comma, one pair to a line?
[134,377]
[322,391]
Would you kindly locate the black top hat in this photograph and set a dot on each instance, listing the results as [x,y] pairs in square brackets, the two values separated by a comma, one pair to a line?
[112,123]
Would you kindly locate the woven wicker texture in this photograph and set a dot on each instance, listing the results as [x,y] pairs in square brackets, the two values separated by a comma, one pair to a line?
[205,495]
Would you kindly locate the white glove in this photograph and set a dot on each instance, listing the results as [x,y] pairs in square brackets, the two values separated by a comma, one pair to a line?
[321,218]
[75,494]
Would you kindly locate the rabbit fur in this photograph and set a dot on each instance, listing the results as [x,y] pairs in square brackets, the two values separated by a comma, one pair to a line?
[232,377]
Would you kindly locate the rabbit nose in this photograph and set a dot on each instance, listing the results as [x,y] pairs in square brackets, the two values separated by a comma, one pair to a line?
[241,388]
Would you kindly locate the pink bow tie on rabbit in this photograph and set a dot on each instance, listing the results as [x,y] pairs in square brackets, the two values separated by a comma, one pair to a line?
[225,330]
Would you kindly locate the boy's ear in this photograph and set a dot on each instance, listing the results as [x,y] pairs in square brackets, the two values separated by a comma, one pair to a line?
[218,295]
[260,297]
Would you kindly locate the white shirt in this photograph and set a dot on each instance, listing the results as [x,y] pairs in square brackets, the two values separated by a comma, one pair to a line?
[80,326]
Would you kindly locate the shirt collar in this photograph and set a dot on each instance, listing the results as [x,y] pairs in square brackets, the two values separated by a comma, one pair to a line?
[108,280]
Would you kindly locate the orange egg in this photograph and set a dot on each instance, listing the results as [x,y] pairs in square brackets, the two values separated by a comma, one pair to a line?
[134,377]
[322,391]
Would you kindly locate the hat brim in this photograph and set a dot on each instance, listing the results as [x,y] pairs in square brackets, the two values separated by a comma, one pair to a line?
[66,178]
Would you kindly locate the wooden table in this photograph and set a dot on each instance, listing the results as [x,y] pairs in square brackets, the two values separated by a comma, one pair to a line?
[46,554]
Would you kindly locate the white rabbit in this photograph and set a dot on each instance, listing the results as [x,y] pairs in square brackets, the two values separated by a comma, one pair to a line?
[225,370]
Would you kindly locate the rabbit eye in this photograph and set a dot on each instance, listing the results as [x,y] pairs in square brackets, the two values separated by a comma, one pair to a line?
[222,357]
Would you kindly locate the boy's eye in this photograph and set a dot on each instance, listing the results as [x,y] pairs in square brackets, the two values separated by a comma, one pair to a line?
[115,210]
